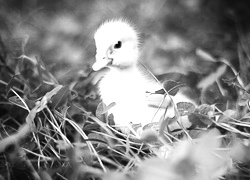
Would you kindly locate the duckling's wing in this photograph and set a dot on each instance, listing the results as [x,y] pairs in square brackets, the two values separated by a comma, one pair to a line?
[157,100]
[152,84]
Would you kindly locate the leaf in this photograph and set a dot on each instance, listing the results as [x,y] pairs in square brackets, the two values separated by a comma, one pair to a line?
[80,119]
[226,115]
[102,109]
[185,108]
[161,91]
[199,120]
[10,84]
[91,127]
[244,99]
[15,100]
[60,98]
[31,104]
[205,109]
[47,97]
[97,139]
[111,120]
[246,117]
[165,123]
[42,70]
[110,106]
[25,67]
[149,136]
[231,82]
[172,87]
[211,78]
[30,119]
[204,55]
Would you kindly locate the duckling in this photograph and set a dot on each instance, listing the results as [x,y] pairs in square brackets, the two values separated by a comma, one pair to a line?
[125,83]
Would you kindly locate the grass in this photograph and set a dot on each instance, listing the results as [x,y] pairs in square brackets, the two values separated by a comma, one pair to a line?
[54,131]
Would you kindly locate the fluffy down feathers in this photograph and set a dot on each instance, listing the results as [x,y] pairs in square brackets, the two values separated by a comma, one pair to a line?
[125,83]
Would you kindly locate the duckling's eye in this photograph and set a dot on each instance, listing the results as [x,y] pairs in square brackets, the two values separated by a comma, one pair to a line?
[118,45]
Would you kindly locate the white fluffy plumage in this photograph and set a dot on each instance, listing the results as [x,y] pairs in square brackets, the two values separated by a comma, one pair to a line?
[107,36]
[117,47]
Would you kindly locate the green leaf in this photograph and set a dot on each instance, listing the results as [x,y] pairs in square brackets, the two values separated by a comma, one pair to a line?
[102,110]
[185,108]
[244,99]
[204,55]
[97,139]
[199,120]
[165,123]
[10,84]
[47,97]
[172,87]
[205,109]
[110,106]
[30,119]
[80,119]
[15,100]
[31,104]
[232,81]
[229,113]
[212,77]
[91,127]
[60,98]
[149,136]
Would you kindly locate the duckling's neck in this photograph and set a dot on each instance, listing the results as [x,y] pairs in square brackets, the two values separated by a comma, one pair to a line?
[123,67]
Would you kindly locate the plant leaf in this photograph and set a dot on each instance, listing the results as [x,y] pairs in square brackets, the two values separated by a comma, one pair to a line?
[185,108]
[226,115]
[172,87]
[100,111]
[149,136]
[199,120]
[244,99]
[97,139]
[30,119]
[60,98]
[211,78]
[15,100]
[205,109]
[47,97]
[204,55]
[10,84]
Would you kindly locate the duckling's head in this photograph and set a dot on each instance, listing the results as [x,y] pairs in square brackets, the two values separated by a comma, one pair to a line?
[116,45]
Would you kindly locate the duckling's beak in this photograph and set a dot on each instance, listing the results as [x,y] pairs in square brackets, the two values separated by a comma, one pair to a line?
[101,62]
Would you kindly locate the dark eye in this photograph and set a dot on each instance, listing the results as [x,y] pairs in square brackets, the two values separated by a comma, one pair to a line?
[118,45]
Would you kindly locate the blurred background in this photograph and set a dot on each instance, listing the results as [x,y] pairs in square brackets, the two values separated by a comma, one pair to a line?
[60,33]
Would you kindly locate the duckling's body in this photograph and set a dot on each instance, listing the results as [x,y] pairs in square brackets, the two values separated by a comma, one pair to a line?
[127,88]
[125,83]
